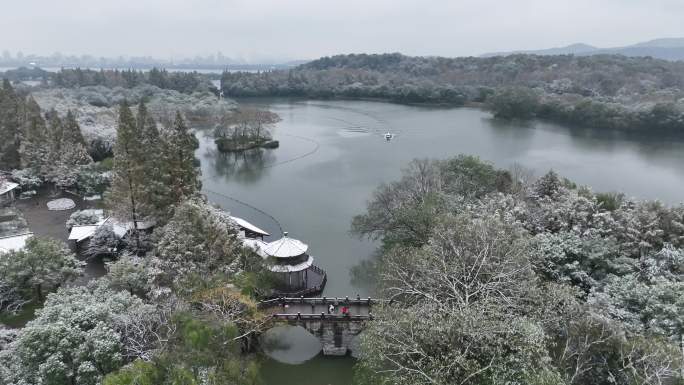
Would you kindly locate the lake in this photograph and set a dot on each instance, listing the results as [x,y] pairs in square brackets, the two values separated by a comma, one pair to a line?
[333,155]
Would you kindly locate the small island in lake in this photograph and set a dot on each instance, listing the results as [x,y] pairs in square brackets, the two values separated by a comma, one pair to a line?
[246,128]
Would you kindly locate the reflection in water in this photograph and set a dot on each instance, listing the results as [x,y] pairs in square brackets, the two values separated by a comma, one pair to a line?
[244,166]
[290,344]
[318,371]
[364,274]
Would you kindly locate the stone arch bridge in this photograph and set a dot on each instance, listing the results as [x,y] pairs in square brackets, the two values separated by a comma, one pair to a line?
[335,330]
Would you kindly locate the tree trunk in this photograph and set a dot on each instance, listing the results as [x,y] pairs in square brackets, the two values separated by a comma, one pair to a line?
[133,212]
[681,352]
[39,292]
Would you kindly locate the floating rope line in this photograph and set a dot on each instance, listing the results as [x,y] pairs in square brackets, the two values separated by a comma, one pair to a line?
[280,228]
[315,149]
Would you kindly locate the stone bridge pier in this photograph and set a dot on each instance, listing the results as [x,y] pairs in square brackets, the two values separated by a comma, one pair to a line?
[335,336]
[324,318]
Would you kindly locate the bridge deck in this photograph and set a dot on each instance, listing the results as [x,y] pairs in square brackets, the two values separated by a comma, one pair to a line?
[317,308]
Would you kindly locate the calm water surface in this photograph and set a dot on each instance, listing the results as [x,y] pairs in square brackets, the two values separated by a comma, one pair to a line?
[333,155]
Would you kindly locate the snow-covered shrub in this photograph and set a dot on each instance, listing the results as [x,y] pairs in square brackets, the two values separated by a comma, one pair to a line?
[84,217]
[92,180]
[95,96]
[98,330]
[129,272]
[104,243]
[101,148]
[27,179]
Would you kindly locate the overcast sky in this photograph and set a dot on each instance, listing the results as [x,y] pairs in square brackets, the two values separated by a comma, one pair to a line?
[256,30]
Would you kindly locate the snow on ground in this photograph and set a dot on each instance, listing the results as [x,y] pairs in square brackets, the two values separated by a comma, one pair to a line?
[61,204]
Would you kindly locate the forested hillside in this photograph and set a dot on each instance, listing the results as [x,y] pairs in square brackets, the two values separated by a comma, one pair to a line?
[185,82]
[605,91]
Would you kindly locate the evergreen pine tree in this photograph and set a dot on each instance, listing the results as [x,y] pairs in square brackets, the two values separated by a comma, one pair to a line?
[127,193]
[10,124]
[151,175]
[35,148]
[67,152]
[180,158]
[157,188]
[52,168]
[72,130]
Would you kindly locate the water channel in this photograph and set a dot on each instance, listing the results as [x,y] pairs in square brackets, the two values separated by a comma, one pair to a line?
[333,154]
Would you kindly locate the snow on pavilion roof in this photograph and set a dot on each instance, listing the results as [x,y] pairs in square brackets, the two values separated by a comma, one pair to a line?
[121,228]
[80,233]
[286,247]
[6,186]
[246,225]
[14,242]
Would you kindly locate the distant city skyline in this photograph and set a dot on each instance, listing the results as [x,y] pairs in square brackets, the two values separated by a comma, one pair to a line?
[269,31]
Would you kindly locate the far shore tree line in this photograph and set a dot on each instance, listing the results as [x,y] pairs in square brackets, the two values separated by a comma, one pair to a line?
[603,91]
[184,82]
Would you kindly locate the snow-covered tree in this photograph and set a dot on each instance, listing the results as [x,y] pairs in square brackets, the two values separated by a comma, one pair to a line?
[36,145]
[71,132]
[42,266]
[93,179]
[199,240]
[155,200]
[126,197]
[103,243]
[27,179]
[10,126]
[582,261]
[79,336]
[84,217]
[184,178]
[129,272]
[548,185]
[67,151]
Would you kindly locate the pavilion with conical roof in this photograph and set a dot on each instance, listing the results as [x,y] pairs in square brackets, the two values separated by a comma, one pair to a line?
[289,260]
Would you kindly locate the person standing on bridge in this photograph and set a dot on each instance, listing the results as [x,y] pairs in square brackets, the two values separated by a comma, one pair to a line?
[331,309]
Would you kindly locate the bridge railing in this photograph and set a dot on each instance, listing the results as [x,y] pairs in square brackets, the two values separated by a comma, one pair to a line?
[319,301]
[320,317]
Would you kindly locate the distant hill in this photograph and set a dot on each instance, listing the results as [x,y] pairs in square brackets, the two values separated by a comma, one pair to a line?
[663,43]
[667,49]
[573,49]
